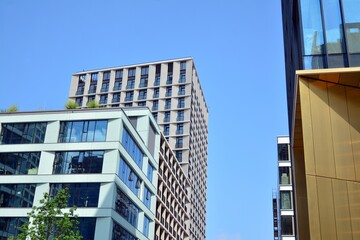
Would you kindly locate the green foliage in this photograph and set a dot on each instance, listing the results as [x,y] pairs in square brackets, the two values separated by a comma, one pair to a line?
[51,221]
[71,104]
[12,108]
[93,104]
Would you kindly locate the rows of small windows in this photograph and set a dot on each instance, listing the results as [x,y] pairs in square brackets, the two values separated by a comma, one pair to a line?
[9,227]
[142,95]
[179,129]
[130,79]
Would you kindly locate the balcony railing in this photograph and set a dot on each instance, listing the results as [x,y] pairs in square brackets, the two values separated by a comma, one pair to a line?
[181,118]
[130,86]
[141,97]
[166,119]
[178,145]
[91,91]
[128,99]
[115,100]
[156,95]
[80,92]
[105,89]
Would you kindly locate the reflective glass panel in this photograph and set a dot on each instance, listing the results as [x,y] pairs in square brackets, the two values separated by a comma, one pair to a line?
[128,176]
[285,200]
[146,226]
[17,195]
[87,227]
[126,208]
[120,233]
[81,194]
[78,162]
[314,62]
[352,24]
[21,133]
[333,26]
[132,148]
[19,163]
[312,27]
[9,226]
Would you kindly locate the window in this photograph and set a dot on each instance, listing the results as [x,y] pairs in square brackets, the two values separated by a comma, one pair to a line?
[157,80]
[285,200]
[131,72]
[79,101]
[182,66]
[283,152]
[142,94]
[155,115]
[91,98]
[78,162]
[82,79]
[20,133]
[19,163]
[129,177]
[181,90]
[155,105]
[166,129]
[129,96]
[132,148]
[105,87]
[80,90]
[83,131]
[87,227]
[147,197]
[168,92]
[130,84]
[128,105]
[81,194]
[286,225]
[17,195]
[103,99]
[150,171]
[94,77]
[156,93]
[144,71]
[117,85]
[180,128]
[179,142]
[182,78]
[169,78]
[119,74]
[178,154]
[167,103]
[167,117]
[181,102]
[284,175]
[143,82]
[126,208]
[120,233]
[180,116]
[92,88]
[9,226]
[116,97]
[141,104]
[106,76]
[146,226]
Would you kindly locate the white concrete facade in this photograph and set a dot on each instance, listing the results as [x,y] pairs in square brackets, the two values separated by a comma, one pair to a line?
[109,180]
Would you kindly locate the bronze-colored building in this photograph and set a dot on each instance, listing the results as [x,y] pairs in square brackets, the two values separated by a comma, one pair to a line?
[326,153]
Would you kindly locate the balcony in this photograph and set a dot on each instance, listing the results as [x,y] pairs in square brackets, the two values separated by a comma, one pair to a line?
[103,101]
[182,78]
[80,92]
[115,100]
[157,81]
[178,145]
[142,97]
[128,99]
[91,91]
[130,86]
[169,79]
[104,89]
[181,105]
[156,95]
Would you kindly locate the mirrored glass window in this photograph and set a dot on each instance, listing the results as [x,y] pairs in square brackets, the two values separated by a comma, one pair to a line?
[20,133]
[17,195]
[19,163]
[78,162]
[83,131]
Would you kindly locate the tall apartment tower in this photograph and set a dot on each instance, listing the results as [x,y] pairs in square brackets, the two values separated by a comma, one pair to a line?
[172,91]
[285,205]
[322,52]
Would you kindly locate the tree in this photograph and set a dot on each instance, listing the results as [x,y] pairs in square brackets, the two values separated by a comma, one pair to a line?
[71,104]
[12,108]
[93,104]
[50,220]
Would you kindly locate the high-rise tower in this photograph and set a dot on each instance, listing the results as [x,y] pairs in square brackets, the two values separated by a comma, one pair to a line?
[172,91]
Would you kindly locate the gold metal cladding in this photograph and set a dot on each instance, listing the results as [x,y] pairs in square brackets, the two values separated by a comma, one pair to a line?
[326,154]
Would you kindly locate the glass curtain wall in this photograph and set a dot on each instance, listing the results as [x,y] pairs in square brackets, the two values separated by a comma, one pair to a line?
[331,33]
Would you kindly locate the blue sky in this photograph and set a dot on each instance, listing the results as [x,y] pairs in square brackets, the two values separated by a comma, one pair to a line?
[238,51]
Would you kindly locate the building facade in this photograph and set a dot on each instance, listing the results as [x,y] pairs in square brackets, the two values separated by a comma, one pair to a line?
[172,90]
[172,218]
[284,204]
[105,157]
[319,34]
[322,52]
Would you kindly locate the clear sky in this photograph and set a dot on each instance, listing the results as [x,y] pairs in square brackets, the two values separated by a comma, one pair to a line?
[238,51]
